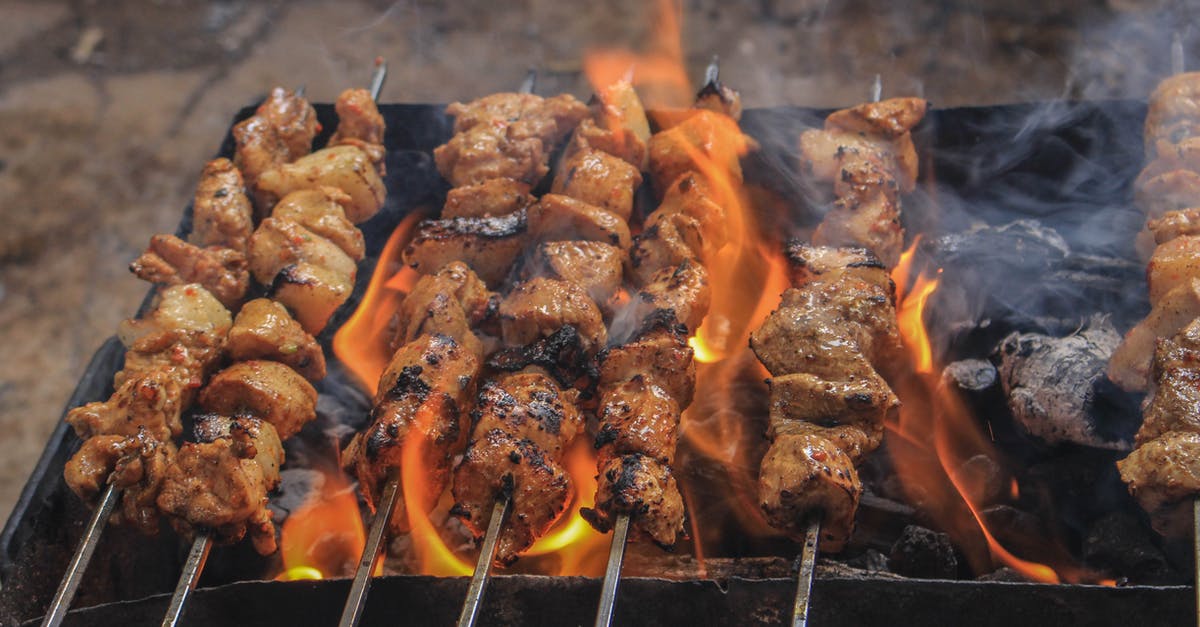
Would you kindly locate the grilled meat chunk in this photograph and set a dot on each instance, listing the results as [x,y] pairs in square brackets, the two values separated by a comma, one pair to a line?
[1129,366]
[266,390]
[599,179]
[169,260]
[344,167]
[539,307]
[646,490]
[558,218]
[87,472]
[1162,193]
[523,421]
[153,401]
[320,211]
[694,214]
[891,118]
[280,131]
[803,403]
[594,266]
[804,473]
[136,464]
[221,212]
[505,136]
[638,416]
[264,329]
[661,352]
[487,245]
[1174,107]
[312,293]
[182,308]
[492,197]
[683,290]
[451,302]
[360,124]
[1175,224]
[706,142]
[279,243]
[499,464]
[219,484]
[618,125]
[420,403]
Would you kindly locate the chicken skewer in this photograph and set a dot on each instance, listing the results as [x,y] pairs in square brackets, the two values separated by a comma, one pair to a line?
[1161,352]
[482,229]
[254,457]
[647,379]
[592,181]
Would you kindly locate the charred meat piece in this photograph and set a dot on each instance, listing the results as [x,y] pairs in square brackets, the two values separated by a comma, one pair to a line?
[153,401]
[312,293]
[646,490]
[320,211]
[558,218]
[683,290]
[893,117]
[849,412]
[360,124]
[1129,366]
[344,167]
[87,472]
[221,212]
[279,243]
[594,266]
[219,484]
[599,179]
[492,197]
[266,390]
[638,416]
[1174,400]
[489,246]
[169,260]
[140,472]
[451,302]
[280,131]
[866,212]
[539,307]
[706,142]
[660,246]
[1164,476]
[716,97]
[659,351]
[808,473]
[525,116]
[523,422]
[420,405]
[264,329]
[694,214]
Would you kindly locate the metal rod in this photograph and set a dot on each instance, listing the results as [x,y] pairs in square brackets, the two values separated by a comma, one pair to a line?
[83,555]
[612,574]
[487,553]
[804,578]
[357,600]
[530,82]
[1196,552]
[377,79]
[713,71]
[877,89]
[299,93]
[187,579]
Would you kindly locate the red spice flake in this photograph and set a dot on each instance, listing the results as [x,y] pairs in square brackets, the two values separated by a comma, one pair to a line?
[190,291]
[819,455]
[378,61]
[320,127]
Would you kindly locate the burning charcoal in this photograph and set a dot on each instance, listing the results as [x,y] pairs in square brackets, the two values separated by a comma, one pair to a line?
[982,479]
[925,554]
[1057,390]
[1021,276]
[871,561]
[1117,543]
[970,375]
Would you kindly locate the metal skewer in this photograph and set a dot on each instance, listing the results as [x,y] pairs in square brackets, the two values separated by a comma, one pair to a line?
[83,555]
[487,553]
[530,82]
[612,574]
[804,578]
[357,600]
[201,546]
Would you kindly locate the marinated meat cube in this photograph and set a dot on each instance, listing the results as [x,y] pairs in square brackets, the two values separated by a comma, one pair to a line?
[171,261]
[343,167]
[221,213]
[312,293]
[594,266]
[266,390]
[806,473]
[644,489]
[599,179]
[320,211]
[559,218]
[541,306]
[489,246]
[264,329]
[492,197]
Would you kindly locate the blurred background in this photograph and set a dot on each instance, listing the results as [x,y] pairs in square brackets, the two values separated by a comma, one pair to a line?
[109,108]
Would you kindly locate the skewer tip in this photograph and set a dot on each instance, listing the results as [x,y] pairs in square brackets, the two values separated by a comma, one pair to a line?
[378,77]
[877,89]
[530,83]
[713,73]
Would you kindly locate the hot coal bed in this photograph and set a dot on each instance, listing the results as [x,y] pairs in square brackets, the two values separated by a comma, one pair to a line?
[1025,208]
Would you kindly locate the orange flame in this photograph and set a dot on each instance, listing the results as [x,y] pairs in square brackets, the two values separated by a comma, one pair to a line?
[931,474]
[325,536]
[658,72]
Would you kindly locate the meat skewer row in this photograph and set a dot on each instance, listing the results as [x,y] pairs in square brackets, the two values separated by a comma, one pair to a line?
[647,377]
[1161,471]
[525,420]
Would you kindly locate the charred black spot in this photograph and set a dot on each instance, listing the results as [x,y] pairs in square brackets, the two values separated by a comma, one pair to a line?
[607,435]
[409,382]
[221,193]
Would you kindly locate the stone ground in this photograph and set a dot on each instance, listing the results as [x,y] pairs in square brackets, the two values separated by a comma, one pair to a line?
[109,108]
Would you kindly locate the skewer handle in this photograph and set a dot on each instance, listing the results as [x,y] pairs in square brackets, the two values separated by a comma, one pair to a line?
[357,601]
[487,553]
[83,555]
[808,562]
[612,574]
[187,579]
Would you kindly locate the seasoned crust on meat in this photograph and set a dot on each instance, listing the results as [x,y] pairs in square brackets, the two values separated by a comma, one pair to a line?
[266,390]
[169,260]
[538,307]
[646,490]
[488,245]
[264,329]
[808,473]
[221,212]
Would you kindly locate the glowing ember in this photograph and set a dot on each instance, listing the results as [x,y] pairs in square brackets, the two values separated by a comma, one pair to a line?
[934,437]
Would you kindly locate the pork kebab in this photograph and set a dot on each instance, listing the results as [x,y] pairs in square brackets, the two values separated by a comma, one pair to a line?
[836,327]
[1161,354]
[553,323]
